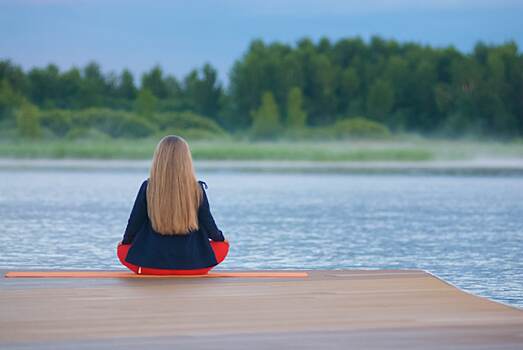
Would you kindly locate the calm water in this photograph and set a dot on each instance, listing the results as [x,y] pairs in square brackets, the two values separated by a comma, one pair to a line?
[467,230]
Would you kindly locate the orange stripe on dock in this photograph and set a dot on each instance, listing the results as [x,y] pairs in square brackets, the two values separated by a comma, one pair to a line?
[124,274]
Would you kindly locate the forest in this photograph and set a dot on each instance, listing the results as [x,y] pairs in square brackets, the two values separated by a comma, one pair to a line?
[349,88]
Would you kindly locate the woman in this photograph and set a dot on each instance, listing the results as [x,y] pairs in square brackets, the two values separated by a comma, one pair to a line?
[170,224]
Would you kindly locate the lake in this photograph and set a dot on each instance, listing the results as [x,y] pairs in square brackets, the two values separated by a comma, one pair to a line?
[467,230]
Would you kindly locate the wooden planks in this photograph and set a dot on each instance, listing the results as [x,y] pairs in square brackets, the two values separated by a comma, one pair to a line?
[328,309]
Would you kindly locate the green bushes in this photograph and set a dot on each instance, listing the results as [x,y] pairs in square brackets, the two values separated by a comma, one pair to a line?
[113,123]
[359,127]
[188,125]
[99,123]
[186,121]
[194,134]
[343,129]
[58,121]
[86,134]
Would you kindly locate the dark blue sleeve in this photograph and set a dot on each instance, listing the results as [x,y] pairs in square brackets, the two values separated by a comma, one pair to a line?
[138,215]
[205,219]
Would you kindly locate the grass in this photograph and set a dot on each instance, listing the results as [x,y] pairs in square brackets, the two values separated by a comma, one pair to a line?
[414,149]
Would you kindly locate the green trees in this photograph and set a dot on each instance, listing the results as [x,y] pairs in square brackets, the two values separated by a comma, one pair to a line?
[203,92]
[126,88]
[145,104]
[9,100]
[405,86]
[69,85]
[94,87]
[349,101]
[296,117]
[380,100]
[28,121]
[44,85]
[154,82]
[266,118]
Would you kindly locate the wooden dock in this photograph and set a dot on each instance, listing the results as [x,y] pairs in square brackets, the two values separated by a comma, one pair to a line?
[342,309]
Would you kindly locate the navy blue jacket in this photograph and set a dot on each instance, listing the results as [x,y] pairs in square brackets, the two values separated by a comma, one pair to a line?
[154,250]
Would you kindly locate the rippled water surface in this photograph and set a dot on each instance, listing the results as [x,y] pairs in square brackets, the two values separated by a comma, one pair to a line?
[467,230]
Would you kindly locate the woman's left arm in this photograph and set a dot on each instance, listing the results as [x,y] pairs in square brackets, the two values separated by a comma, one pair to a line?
[205,218]
[138,215]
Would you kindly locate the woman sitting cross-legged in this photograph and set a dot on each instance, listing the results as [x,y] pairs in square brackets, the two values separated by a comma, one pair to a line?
[171,230]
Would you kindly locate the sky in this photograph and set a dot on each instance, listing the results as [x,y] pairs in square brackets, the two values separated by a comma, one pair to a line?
[182,35]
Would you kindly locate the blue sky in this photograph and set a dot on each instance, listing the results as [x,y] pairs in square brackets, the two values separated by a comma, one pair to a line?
[181,35]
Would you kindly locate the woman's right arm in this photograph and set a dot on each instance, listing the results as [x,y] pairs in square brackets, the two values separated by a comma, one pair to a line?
[138,215]
[206,220]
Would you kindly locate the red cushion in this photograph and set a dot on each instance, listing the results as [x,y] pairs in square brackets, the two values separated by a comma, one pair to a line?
[220,251]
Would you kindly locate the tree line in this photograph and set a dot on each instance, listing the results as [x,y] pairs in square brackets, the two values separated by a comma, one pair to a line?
[277,88]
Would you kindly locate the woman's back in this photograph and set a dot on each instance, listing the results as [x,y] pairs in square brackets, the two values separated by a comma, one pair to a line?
[171,223]
[154,250]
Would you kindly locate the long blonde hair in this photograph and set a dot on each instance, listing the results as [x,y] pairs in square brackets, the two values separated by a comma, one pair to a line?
[173,193]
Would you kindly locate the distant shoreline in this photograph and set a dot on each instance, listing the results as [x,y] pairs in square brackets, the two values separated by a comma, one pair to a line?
[409,152]
[470,167]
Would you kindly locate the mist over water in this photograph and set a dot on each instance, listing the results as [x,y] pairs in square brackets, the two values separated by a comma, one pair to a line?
[467,230]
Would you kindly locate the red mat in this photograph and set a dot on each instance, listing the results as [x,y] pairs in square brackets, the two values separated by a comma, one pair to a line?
[124,274]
